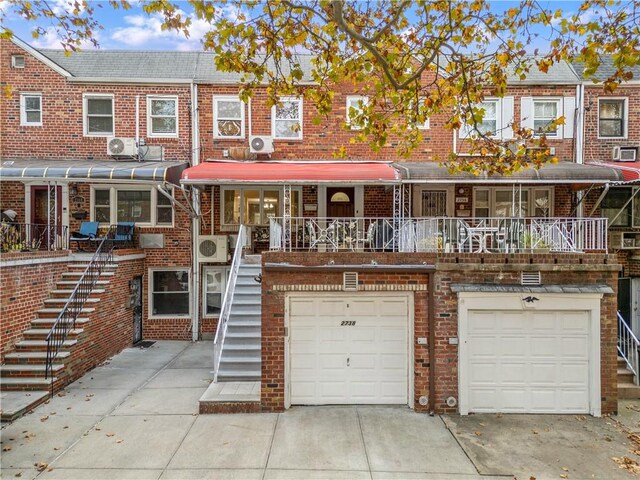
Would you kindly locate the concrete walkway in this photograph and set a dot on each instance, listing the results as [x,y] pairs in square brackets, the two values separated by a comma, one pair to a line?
[136,418]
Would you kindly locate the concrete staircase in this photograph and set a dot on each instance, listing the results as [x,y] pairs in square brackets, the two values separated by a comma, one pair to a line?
[626,387]
[241,360]
[24,368]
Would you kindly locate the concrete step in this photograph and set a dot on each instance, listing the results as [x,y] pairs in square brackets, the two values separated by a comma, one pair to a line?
[49,322]
[40,345]
[26,383]
[628,390]
[242,335]
[245,309]
[79,273]
[83,266]
[242,358]
[14,358]
[73,283]
[29,370]
[41,333]
[244,322]
[239,328]
[68,292]
[63,301]
[624,374]
[248,280]
[54,312]
[16,404]
[232,376]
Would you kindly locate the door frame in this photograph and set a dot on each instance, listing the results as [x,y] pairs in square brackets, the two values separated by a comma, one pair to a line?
[589,302]
[28,200]
[410,335]
[358,204]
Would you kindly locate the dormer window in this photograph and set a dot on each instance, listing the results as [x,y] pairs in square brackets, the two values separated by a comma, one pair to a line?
[17,61]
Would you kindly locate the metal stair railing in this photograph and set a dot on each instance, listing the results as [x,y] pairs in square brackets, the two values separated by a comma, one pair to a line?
[227,301]
[628,347]
[72,309]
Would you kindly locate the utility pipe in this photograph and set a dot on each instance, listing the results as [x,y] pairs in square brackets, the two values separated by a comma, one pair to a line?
[432,343]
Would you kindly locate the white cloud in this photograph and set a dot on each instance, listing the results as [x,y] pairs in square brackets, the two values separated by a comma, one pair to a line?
[51,39]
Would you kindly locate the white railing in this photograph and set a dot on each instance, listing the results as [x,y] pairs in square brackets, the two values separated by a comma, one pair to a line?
[227,301]
[477,235]
[628,346]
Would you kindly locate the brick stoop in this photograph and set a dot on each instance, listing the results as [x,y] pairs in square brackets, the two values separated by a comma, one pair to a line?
[626,387]
[24,368]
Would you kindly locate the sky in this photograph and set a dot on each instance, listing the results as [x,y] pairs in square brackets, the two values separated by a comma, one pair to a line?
[135,30]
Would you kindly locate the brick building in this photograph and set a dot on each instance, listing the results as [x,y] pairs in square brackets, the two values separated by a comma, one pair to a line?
[383,279]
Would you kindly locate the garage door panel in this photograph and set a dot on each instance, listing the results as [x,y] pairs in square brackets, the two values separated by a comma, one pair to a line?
[302,308]
[330,308]
[531,361]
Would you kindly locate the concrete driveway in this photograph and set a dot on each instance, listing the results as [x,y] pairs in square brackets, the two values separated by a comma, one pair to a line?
[136,418]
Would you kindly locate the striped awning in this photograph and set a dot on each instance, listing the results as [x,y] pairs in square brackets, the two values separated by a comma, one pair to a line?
[88,170]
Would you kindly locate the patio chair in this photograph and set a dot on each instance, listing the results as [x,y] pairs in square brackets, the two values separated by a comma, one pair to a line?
[124,233]
[86,234]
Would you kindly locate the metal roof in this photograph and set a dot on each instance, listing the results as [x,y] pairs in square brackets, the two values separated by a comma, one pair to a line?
[630,171]
[562,172]
[291,172]
[91,170]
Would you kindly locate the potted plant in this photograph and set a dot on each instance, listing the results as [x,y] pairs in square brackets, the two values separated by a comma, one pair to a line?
[530,242]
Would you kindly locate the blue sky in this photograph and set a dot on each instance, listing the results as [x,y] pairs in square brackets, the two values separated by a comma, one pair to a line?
[134,30]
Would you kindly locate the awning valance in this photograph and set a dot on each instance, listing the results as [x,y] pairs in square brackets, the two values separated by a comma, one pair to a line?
[630,171]
[91,170]
[552,173]
[290,172]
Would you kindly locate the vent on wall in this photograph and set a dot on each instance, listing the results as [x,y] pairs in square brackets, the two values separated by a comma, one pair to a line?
[530,278]
[350,281]
[17,61]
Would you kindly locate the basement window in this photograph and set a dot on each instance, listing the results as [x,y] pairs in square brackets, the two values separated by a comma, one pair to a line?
[169,292]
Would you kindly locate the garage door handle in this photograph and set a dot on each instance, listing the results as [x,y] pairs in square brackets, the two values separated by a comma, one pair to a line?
[348,360]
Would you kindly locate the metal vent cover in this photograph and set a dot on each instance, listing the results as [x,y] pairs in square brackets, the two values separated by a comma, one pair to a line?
[530,278]
[208,248]
[350,281]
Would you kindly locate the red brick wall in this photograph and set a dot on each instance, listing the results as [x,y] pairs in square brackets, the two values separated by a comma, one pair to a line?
[12,197]
[24,288]
[451,268]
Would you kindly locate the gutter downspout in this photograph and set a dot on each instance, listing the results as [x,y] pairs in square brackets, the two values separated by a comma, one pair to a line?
[432,344]
[579,142]
[195,221]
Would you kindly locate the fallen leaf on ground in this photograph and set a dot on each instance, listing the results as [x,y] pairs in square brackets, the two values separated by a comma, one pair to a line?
[40,466]
[119,440]
[478,433]
[534,432]
[45,418]
[66,426]
[62,394]
[56,448]
[482,424]
[6,448]
[627,464]
[19,474]
[110,434]
[532,477]
[564,475]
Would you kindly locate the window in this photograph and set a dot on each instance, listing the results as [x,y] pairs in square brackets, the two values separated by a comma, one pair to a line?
[544,113]
[287,119]
[490,120]
[355,107]
[255,205]
[424,125]
[31,109]
[228,114]
[169,293]
[612,207]
[611,118]
[519,202]
[144,206]
[17,61]
[214,284]
[434,203]
[98,115]
[162,116]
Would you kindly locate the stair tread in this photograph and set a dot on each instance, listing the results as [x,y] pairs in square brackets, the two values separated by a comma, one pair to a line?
[624,371]
[57,310]
[85,265]
[72,282]
[230,360]
[79,273]
[65,300]
[51,320]
[240,347]
[233,373]
[27,380]
[39,343]
[70,291]
[29,367]
[45,331]
[27,355]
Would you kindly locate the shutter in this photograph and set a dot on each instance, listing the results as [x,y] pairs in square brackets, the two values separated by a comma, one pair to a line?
[569,109]
[508,104]
[526,112]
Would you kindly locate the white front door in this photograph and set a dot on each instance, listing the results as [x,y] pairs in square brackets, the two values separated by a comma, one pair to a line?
[349,349]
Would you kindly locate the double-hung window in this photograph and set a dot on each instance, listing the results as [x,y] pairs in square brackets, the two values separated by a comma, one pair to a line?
[612,118]
[98,115]
[287,119]
[31,109]
[355,107]
[162,116]
[228,117]
[545,112]
[507,202]
[255,205]
[169,292]
[143,206]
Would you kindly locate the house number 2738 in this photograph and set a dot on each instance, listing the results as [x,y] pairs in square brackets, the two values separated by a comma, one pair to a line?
[348,323]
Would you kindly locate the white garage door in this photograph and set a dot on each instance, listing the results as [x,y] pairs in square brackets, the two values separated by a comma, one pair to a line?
[348,350]
[528,361]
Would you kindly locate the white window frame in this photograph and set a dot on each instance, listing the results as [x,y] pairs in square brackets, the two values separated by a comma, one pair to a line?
[530,201]
[228,98]
[427,121]
[151,291]
[349,101]
[625,117]
[113,203]
[418,190]
[559,112]
[262,189]
[498,119]
[274,120]
[15,63]
[150,117]
[85,114]
[23,109]
[225,277]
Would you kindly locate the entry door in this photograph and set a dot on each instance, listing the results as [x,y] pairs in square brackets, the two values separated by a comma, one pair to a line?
[135,288]
[635,300]
[340,202]
[628,300]
[46,211]
[348,350]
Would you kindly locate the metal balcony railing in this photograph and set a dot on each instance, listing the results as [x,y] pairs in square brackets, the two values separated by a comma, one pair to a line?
[27,237]
[477,235]
[629,347]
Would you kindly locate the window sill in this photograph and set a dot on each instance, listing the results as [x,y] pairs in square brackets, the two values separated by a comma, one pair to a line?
[613,138]
[31,124]
[169,317]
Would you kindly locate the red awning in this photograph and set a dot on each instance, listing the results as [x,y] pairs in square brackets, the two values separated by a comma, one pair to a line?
[630,170]
[209,173]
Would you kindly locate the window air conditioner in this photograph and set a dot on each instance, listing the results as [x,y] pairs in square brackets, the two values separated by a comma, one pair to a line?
[260,144]
[532,151]
[212,248]
[121,147]
[624,154]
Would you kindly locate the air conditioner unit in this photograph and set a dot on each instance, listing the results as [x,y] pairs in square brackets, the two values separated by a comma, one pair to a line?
[121,147]
[212,248]
[531,151]
[260,144]
[624,154]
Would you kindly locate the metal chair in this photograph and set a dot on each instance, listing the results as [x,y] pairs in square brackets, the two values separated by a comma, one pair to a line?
[86,234]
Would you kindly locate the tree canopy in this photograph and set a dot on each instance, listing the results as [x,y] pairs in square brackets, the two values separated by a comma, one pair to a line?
[412,59]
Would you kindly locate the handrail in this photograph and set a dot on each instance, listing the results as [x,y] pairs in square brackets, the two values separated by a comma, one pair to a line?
[628,347]
[66,320]
[227,301]
[26,237]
